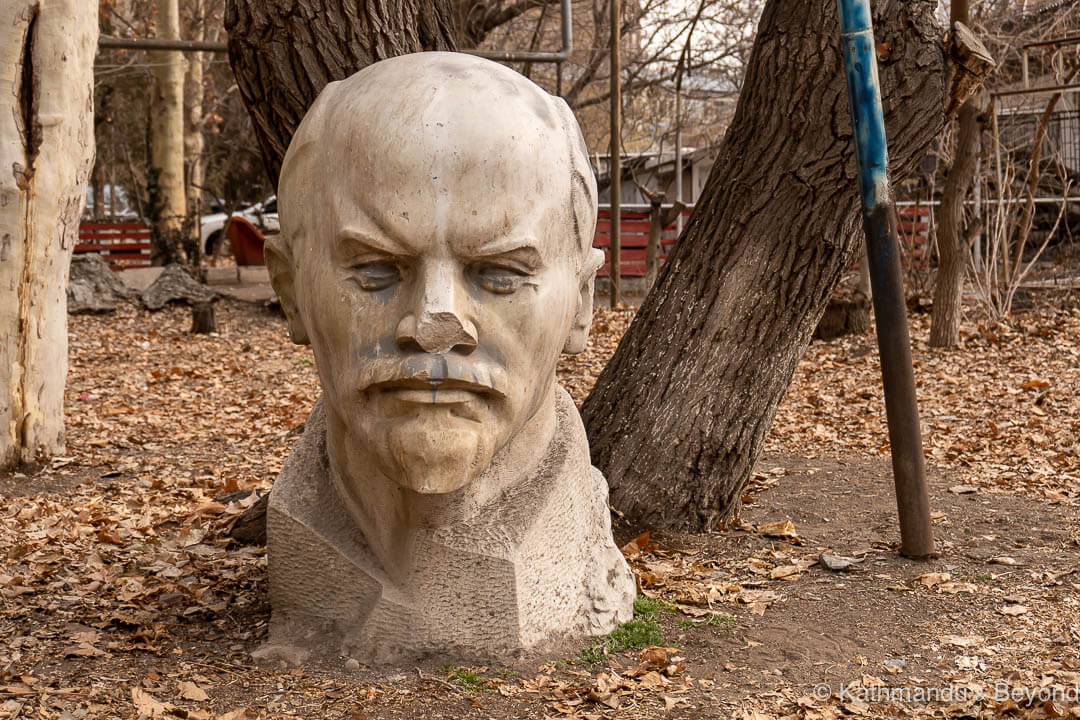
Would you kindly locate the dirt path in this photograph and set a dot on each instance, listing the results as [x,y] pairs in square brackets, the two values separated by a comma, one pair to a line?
[879,622]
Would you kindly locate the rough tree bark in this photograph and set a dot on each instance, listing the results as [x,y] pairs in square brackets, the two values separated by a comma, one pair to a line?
[46,156]
[679,415]
[168,206]
[952,233]
[284,52]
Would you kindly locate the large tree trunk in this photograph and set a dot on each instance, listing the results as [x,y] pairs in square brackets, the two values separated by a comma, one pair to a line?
[679,415]
[168,206]
[46,155]
[952,234]
[284,52]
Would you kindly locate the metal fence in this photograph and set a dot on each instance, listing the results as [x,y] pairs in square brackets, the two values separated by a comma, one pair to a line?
[1017,129]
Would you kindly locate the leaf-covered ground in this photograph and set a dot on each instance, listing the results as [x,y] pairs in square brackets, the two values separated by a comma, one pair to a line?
[120,596]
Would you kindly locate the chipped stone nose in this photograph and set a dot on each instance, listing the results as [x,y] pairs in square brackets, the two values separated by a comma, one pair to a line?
[437,325]
[437,333]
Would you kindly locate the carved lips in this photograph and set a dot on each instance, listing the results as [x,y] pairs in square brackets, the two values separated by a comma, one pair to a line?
[431,391]
[435,379]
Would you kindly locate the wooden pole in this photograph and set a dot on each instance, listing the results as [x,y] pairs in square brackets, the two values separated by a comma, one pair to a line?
[615,165]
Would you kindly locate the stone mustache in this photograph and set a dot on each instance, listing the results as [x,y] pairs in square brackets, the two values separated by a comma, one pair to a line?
[436,252]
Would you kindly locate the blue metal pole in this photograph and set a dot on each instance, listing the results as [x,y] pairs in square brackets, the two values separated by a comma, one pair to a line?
[879,221]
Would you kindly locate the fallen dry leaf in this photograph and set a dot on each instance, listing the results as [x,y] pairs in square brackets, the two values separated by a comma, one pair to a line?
[786,572]
[191,691]
[83,650]
[962,640]
[240,714]
[653,681]
[783,529]
[963,489]
[933,578]
[671,702]
[636,545]
[952,588]
[148,705]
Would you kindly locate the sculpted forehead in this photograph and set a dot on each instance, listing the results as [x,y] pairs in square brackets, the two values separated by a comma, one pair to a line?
[431,105]
[436,135]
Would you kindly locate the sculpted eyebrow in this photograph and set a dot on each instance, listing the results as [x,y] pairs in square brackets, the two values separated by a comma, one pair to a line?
[522,253]
[351,241]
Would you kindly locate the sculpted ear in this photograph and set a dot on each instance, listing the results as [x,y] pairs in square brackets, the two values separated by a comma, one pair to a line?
[279,264]
[579,330]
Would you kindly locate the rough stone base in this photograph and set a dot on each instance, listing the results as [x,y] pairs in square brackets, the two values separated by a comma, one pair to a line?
[535,566]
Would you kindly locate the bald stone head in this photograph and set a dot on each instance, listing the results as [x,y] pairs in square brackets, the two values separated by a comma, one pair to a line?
[437,218]
[450,128]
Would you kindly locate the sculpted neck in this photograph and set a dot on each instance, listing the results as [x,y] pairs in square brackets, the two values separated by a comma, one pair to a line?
[390,516]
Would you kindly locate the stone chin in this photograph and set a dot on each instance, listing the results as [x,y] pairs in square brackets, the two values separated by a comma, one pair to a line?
[431,456]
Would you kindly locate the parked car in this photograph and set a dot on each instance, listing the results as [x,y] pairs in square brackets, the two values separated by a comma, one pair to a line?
[263,215]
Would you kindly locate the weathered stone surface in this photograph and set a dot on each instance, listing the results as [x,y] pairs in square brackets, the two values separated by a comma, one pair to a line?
[533,565]
[174,284]
[436,250]
[92,286]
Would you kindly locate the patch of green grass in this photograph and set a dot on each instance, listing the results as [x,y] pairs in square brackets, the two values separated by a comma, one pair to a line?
[593,655]
[467,679]
[641,632]
[635,635]
[723,622]
[646,606]
[685,624]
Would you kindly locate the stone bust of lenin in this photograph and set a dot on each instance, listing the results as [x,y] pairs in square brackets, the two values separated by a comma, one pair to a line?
[437,217]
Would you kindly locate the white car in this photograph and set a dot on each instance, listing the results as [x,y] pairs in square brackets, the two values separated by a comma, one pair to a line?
[263,215]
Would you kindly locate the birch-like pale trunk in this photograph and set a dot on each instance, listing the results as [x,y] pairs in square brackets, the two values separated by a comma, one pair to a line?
[193,125]
[46,154]
[167,193]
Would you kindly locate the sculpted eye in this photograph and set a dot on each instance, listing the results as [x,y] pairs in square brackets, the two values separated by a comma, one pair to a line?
[378,275]
[499,279]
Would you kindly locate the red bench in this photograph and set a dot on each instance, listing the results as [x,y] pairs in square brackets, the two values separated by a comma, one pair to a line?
[634,229]
[121,244]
